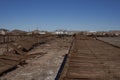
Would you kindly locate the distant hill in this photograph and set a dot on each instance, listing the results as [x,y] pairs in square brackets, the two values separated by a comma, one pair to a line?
[17,32]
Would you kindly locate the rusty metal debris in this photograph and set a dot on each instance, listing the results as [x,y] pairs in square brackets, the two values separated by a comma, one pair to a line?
[20,52]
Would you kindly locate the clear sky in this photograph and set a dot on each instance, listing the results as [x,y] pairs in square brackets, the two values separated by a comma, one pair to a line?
[60,14]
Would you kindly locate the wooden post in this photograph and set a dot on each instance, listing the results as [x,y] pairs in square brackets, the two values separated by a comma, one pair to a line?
[3,39]
[7,42]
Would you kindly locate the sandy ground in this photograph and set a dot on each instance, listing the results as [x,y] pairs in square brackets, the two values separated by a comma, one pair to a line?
[42,67]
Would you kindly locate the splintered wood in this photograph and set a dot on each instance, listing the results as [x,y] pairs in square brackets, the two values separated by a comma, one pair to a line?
[90,59]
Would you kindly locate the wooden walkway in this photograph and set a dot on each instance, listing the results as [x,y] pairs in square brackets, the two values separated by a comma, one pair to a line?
[90,59]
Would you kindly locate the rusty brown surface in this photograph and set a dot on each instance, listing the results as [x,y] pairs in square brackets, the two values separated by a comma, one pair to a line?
[90,59]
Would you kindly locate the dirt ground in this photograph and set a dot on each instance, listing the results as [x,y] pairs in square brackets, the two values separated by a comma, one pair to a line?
[42,67]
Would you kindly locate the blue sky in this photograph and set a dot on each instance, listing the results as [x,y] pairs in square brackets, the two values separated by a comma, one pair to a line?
[60,14]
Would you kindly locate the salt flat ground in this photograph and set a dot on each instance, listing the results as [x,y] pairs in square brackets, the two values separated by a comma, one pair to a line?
[111,40]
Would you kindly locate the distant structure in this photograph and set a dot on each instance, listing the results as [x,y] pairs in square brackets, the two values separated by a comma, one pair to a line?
[64,32]
[60,32]
[111,33]
[39,32]
[115,32]
[3,31]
